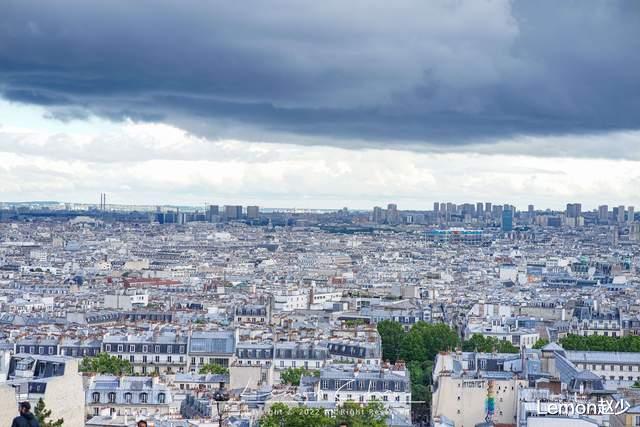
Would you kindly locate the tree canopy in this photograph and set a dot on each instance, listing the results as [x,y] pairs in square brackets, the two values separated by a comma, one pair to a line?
[418,348]
[629,343]
[214,369]
[292,376]
[103,363]
[540,343]
[42,414]
[488,344]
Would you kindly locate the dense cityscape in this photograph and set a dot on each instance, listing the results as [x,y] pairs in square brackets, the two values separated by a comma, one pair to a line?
[465,314]
[298,213]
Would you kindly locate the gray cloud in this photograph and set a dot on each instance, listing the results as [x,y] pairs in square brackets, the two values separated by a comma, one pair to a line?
[353,74]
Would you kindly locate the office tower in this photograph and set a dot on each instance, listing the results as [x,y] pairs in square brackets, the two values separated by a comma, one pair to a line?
[620,214]
[253,212]
[531,211]
[507,220]
[443,208]
[393,217]
[603,212]
[213,211]
[467,209]
[378,215]
[479,210]
[574,210]
[232,212]
[487,207]
[497,211]
[630,214]
[436,207]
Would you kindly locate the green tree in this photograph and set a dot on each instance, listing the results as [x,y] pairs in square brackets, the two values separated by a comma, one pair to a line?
[629,343]
[484,344]
[213,368]
[392,334]
[103,363]
[42,414]
[418,348]
[425,340]
[292,375]
[540,343]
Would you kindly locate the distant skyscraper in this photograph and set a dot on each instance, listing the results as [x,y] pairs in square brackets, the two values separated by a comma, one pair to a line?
[574,210]
[378,215]
[479,210]
[603,212]
[507,220]
[531,210]
[232,212]
[213,211]
[253,212]
[630,214]
[620,214]
[393,216]
[487,208]
[436,207]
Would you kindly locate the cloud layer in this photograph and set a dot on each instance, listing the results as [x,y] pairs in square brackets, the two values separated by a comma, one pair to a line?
[159,163]
[357,74]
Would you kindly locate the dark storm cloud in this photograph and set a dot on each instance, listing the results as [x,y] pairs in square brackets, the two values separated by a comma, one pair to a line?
[402,72]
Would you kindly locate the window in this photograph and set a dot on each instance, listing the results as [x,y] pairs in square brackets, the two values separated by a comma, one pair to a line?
[95,397]
[107,347]
[120,348]
[143,397]
[131,358]
[169,349]
[161,398]
[157,349]
[50,350]
[112,397]
[132,348]
[127,397]
[145,349]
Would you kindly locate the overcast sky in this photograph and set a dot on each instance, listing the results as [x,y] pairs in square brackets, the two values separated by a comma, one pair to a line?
[289,103]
